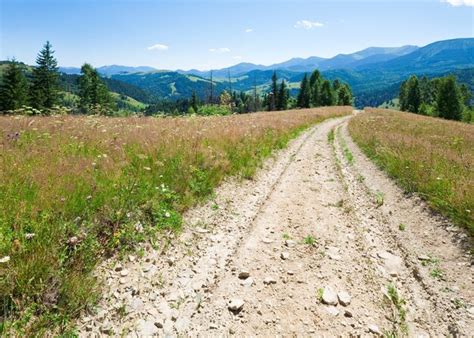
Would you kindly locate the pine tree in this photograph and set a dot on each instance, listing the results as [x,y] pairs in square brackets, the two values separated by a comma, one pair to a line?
[344,95]
[327,95]
[315,84]
[44,91]
[413,95]
[402,96]
[14,88]
[449,100]
[282,96]
[93,93]
[304,96]
[194,102]
[274,98]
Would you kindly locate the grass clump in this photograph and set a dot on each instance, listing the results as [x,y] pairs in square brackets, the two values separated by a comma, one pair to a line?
[309,240]
[430,156]
[399,304]
[77,189]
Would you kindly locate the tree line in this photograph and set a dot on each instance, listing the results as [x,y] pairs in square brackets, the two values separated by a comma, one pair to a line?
[40,90]
[439,97]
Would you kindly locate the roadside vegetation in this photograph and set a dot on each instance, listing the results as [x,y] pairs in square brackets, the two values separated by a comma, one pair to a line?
[430,156]
[75,189]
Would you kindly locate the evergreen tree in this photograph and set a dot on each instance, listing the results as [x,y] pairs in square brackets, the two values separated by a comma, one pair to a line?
[449,100]
[304,96]
[44,91]
[274,98]
[402,97]
[283,96]
[14,88]
[315,84]
[327,94]
[344,95]
[413,95]
[93,93]
[194,102]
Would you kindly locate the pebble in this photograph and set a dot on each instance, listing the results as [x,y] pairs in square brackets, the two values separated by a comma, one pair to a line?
[284,255]
[290,272]
[244,274]
[344,298]
[269,280]
[348,314]
[124,273]
[329,297]
[236,304]
[373,329]
[424,258]
[5,259]
[248,282]
[290,243]
[267,240]
[332,310]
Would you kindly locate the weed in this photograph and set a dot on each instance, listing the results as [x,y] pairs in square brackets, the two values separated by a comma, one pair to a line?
[401,227]
[319,294]
[379,198]
[399,303]
[360,178]
[459,303]
[436,272]
[309,240]
[286,236]
[215,206]
[331,136]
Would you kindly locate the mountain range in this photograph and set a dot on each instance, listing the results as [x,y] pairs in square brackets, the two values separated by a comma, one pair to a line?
[373,73]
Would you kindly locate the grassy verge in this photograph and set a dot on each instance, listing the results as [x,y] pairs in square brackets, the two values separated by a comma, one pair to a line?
[430,156]
[76,189]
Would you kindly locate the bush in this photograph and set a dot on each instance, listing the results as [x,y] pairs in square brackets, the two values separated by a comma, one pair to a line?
[213,110]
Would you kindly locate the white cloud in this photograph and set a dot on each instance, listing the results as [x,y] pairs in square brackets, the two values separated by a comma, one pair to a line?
[458,3]
[249,30]
[306,24]
[158,47]
[237,57]
[220,50]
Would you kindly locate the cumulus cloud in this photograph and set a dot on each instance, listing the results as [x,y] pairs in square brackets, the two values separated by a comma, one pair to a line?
[306,24]
[249,30]
[458,3]
[158,47]
[220,50]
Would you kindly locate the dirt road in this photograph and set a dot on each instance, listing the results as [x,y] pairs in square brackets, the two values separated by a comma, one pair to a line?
[312,246]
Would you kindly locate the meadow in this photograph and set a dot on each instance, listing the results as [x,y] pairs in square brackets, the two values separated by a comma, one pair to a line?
[76,189]
[430,156]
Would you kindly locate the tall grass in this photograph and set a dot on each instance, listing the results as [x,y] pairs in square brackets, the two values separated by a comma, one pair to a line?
[75,189]
[431,156]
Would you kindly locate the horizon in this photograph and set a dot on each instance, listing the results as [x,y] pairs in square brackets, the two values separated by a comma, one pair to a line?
[161,34]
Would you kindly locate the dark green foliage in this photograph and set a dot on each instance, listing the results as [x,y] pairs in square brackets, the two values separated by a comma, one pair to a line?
[449,101]
[327,94]
[194,102]
[94,95]
[304,96]
[440,97]
[344,95]
[315,83]
[14,88]
[274,93]
[44,90]
[282,97]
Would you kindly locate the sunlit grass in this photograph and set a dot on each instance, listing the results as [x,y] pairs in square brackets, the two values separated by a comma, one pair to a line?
[75,189]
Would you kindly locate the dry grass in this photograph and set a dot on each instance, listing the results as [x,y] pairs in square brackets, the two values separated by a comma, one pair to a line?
[431,156]
[74,189]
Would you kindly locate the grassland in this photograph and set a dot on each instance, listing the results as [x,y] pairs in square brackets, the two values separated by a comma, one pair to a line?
[430,156]
[76,189]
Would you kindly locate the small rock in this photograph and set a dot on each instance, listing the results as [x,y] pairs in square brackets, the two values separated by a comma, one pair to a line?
[147,328]
[373,329]
[131,258]
[332,310]
[424,258]
[248,282]
[329,297]
[201,230]
[290,243]
[212,326]
[284,255]
[267,240]
[244,274]
[124,273]
[118,267]
[471,310]
[344,298]
[290,272]
[348,314]
[269,280]
[159,324]
[146,268]
[236,304]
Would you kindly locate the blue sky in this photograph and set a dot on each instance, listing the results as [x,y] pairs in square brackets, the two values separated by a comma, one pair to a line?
[208,34]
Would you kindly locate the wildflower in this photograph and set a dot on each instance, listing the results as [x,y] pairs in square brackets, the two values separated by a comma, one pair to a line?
[438,178]
[29,235]
[167,214]
[5,259]
[147,168]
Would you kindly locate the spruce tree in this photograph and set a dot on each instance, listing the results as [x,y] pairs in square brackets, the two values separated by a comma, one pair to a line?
[413,95]
[402,97]
[44,91]
[282,96]
[449,100]
[274,98]
[304,96]
[93,93]
[315,84]
[327,95]
[194,102]
[344,95]
[14,88]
